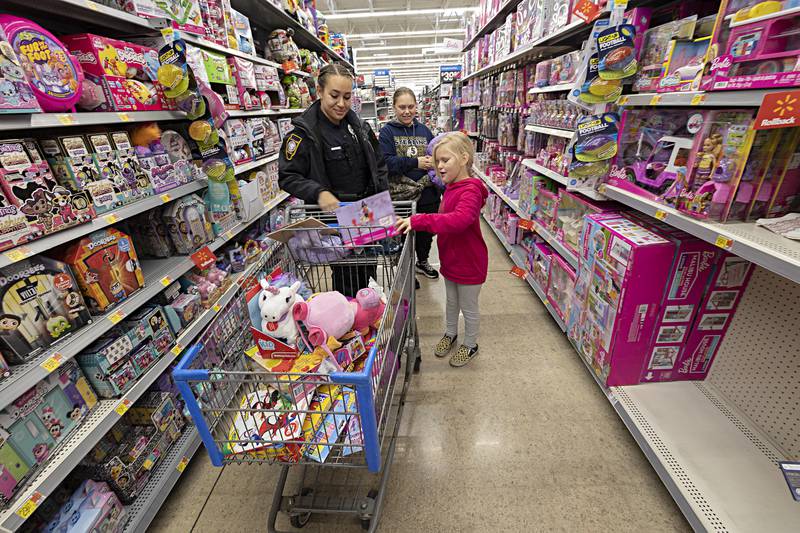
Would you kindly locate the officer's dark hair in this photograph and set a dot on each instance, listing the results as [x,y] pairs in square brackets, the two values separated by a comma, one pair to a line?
[400,92]
[330,70]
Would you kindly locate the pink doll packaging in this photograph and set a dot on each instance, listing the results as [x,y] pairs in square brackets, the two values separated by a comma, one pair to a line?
[569,220]
[539,264]
[245,76]
[561,285]
[16,95]
[624,268]
[711,324]
[185,15]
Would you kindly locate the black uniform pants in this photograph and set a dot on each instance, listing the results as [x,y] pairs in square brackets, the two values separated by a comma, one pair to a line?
[422,245]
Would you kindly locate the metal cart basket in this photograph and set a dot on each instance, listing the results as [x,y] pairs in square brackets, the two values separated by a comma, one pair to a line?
[339,421]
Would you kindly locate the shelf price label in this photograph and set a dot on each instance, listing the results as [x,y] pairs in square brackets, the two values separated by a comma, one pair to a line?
[724,242]
[124,117]
[53,362]
[117,316]
[698,99]
[656,99]
[215,308]
[66,119]
[30,505]
[622,100]
[518,272]
[177,349]
[166,280]
[182,464]
[110,219]
[91,5]
[18,254]
[166,198]
[123,406]
[661,215]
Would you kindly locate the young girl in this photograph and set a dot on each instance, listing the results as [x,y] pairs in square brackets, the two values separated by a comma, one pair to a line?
[462,251]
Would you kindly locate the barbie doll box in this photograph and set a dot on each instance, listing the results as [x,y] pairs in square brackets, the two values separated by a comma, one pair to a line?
[368,220]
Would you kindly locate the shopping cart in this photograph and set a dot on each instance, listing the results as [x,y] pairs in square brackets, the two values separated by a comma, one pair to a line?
[341,426]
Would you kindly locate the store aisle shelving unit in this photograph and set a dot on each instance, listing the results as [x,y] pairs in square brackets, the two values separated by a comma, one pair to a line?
[547,130]
[558,178]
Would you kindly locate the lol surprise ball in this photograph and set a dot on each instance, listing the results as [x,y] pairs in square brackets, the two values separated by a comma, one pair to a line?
[53,74]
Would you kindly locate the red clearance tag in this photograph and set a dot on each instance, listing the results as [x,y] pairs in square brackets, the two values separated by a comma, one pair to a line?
[203,258]
[586,10]
[518,272]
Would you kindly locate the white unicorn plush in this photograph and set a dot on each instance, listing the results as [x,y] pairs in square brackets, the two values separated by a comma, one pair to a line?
[276,310]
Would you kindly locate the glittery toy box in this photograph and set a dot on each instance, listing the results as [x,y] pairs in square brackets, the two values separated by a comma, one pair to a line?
[714,317]
[106,266]
[624,268]
[35,423]
[185,15]
[32,202]
[92,507]
[42,304]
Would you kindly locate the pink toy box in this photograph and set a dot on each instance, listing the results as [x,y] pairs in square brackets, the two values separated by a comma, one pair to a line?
[569,220]
[754,50]
[245,76]
[714,317]
[624,268]
[93,507]
[126,72]
[185,15]
[561,285]
[538,263]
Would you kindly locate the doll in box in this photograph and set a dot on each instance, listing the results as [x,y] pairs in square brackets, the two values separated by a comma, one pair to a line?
[153,157]
[245,76]
[41,303]
[106,266]
[135,178]
[150,233]
[188,224]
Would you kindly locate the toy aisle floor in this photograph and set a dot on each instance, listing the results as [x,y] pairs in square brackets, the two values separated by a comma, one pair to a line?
[521,439]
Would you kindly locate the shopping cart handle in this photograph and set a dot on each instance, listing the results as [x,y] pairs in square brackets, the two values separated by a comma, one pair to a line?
[182,371]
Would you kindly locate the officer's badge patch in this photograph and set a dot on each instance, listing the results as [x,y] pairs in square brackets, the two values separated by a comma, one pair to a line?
[292,144]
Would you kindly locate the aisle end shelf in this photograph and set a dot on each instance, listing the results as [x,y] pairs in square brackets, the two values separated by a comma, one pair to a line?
[556,132]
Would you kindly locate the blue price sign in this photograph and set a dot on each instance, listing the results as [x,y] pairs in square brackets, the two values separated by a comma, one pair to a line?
[449,73]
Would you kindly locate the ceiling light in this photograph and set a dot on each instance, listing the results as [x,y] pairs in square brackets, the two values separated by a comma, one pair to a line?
[367,58]
[379,55]
[454,31]
[428,60]
[402,13]
[401,47]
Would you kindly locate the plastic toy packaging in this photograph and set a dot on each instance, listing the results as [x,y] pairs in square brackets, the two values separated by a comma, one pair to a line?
[53,74]
[571,210]
[245,75]
[92,507]
[683,69]
[656,48]
[106,267]
[616,52]
[188,224]
[184,15]
[42,304]
[560,285]
[17,96]
[595,146]
[776,192]
[539,264]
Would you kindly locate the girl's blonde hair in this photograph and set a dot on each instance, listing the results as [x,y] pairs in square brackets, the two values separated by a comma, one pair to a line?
[459,144]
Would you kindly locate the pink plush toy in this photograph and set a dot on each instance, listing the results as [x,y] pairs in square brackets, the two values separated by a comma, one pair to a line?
[368,309]
[328,314]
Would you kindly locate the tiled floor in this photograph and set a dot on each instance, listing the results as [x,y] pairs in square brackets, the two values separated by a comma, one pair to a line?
[521,439]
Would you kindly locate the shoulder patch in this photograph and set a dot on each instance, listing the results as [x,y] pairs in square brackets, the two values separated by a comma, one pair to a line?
[292,144]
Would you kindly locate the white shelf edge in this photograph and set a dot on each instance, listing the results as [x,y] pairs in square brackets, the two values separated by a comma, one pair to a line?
[538,290]
[551,239]
[497,234]
[563,180]
[759,245]
[23,377]
[208,45]
[740,98]
[558,132]
[56,239]
[551,88]
[236,113]
[24,121]
[470,104]
[499,192]
[502,12]
[250,165]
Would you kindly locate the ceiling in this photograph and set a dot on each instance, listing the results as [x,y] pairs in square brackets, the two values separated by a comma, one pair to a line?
[410,43]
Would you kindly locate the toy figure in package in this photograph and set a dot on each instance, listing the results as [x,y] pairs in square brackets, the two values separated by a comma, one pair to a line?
[106,266]
[41,304]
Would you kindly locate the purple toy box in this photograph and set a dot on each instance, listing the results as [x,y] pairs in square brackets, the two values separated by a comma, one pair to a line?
[368,220]
[624,268]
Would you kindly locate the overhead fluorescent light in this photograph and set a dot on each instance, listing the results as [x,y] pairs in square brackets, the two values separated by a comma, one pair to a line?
[361,58]
[402,47]
[378,55]
[383,35]
[428,60]
[447,12]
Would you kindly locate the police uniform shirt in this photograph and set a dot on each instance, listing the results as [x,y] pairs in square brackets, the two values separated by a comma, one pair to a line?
[345,162]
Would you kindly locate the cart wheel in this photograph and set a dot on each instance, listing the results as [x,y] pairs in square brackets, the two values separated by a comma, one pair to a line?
[366,522]
[299,521]
[417,364]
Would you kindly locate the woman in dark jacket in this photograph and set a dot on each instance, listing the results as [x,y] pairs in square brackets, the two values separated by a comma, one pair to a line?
[403,142]
[332,156]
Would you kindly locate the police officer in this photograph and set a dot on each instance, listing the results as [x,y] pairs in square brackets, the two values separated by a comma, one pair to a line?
[331,156]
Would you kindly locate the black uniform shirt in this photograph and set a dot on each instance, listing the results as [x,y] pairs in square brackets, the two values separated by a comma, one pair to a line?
[345,162]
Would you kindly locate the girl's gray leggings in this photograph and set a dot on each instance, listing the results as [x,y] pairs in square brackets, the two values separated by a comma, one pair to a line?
[463,298]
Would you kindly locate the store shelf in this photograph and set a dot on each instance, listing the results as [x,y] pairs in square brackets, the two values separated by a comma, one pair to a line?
[499,192]
[564,180]
[265,13]
[56,239]
[473,134]
[720,469]
[557,245]
[470,104]
[240,113]
[108,412]
[542,45]
[208,45]
[752,98]
[241,169]
[497,234]
[158,274]
[519,261]
[60,120]
[166,474]
[85,12]
[551,88]
[557,132]
[756,244]
[497,20]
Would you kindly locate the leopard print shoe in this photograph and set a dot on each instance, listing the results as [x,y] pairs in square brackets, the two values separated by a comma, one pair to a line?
[463,355]
[444,346]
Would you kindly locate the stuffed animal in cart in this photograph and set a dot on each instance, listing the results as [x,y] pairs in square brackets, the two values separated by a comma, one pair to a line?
[327,314]
[276,305]
[368,307]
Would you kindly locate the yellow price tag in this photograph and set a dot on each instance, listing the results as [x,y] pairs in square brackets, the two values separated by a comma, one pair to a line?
[168,33]
[724,242]
[124,117]
[165,198]
[182,465]
[111,219]
[622,100]
[661,215]
[53,362]
[91,5]
[123,406]
[177,349]
[30,505]
[215,308]
[252,351]
[18,254]
[66,119]
[602,188]
[228,235]
[698,99]
[655,100]
[166,280]
[148,464]
[117,316]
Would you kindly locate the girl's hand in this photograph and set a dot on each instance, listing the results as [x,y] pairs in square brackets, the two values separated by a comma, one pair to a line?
[403,225]
[327,201]
[425,162]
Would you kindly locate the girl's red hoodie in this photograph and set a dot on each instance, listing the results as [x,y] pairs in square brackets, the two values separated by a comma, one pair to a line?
[462,251]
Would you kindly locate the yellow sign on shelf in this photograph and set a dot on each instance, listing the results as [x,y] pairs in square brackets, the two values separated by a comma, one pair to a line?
[724,242]
[165,198]
[117,316]
[177,349]
[30,505]
[215,308]
[661,215]
[18,254]
[622,100]
[110,219]
[166,280]
[53,362]
[124,117]
[182,464]
[656,99]
[123,406]
[698,99]
[66,119]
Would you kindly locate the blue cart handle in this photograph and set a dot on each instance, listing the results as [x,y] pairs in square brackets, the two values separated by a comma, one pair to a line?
[182,371]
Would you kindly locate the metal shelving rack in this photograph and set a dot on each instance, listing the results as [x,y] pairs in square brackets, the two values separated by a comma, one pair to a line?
[547,130]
